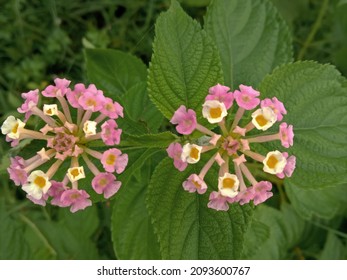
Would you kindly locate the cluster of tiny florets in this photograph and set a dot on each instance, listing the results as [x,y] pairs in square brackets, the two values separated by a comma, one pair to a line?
[233,147]
[73,118]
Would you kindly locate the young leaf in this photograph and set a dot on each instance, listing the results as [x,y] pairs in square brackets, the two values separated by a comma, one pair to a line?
[185,63]
[185,226]
[251,37]
[315,97]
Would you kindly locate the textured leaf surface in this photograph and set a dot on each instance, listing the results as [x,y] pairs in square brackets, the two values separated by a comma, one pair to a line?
[132,232]
[186,228]
[251,36]
[114,71]
[123,78]
[315,97]
[286,229]
[308,202]
[334,249]
[12,245]
[185,63]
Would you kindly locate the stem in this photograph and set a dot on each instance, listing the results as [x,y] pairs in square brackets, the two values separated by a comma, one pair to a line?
[36,111]
[314,30]
[248,174]
[65,107]
[238,117]
[93,153]
[203,129]
[264,138]
[240,177]
[249,126]
[90,165]
[53,169]
[255,156]
[207,167]
[223,128]
[100,118]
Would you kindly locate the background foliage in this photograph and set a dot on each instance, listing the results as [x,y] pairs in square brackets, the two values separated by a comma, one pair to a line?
[40,40]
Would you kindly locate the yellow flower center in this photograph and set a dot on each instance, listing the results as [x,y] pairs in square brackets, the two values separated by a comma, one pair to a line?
[110,160]
[103,182]
[215,112]
[272,161]
[194,153]
[49,112]
[228,183]
[15,128]
[196,184]
[91,102]
[261,120]
[40,181]
[75,172]
[109,107]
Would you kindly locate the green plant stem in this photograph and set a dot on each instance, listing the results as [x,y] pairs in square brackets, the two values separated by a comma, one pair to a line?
[314,30]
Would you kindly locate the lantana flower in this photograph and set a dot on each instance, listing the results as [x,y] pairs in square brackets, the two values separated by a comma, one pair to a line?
[73,119]
[233,145]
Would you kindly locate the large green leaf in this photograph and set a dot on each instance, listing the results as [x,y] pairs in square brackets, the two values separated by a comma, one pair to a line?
[251,36]
[308,202]
[185,63]
[70,236]
[132,232]
[286,229]
[334,249]
[12,243]
[315,97]
[114,71]
[185,226]
[123,77]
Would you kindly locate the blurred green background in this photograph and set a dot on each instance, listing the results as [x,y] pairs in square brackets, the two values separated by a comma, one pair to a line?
[40,40]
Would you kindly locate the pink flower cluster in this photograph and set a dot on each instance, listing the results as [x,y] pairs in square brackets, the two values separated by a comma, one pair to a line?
[73,118]
[233,145]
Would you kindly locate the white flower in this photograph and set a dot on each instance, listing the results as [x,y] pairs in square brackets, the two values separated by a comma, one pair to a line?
[214,111]
[191,153]
[228,185]
[50,109]
[274,162]
[38,185]
[264,118]
[11,127]
[75,173]
[89,128]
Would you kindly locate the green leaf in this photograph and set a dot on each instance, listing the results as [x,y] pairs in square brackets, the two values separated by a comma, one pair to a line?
[114,71]
[308,202]
[160,140]
[257,234]
[140,109]
[123,77]
[12,244]
[315,97]
[185,63]
[70,236]
[132,232]
[185,226]
[252,39]
[286,230]
[334,249]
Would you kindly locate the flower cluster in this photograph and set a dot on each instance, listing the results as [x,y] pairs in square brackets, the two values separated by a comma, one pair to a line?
[72,119]
[233,146]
